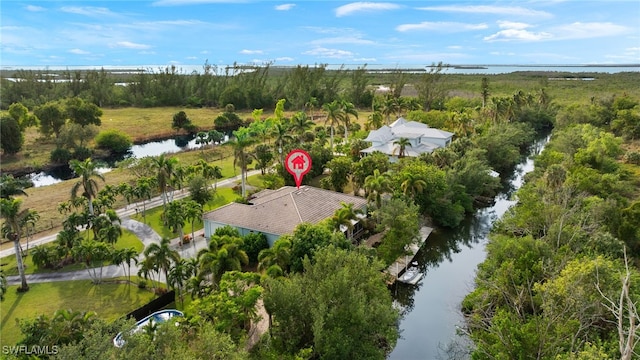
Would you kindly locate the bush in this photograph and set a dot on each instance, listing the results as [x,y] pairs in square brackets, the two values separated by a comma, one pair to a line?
[142,284]
[60,156]
[632,157]
[81,153]
[114,140]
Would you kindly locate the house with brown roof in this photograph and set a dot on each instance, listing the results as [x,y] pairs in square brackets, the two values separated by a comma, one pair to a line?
[278,212]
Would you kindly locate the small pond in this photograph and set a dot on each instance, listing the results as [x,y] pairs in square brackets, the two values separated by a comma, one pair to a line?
[152,148]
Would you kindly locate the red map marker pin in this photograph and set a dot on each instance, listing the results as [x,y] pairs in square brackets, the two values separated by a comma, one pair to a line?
[298,163]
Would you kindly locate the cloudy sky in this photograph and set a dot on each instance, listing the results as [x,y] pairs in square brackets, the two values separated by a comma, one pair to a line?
[190,32]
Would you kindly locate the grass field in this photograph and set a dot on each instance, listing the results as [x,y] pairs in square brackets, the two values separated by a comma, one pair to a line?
[9,265]
[109,300]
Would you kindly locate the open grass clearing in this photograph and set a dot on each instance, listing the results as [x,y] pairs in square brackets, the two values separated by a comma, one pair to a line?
[10,267]
[109,300]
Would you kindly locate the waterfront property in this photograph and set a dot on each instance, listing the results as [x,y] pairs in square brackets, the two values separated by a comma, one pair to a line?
[278,212]
[422,139]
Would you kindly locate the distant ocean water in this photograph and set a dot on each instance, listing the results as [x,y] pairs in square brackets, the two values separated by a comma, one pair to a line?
[452,69]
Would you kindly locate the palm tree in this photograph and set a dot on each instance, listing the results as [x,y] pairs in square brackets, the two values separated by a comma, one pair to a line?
[12,229]
[178,276]
[125,256]
[282,136]
[224,254]
[10,186]
[242,141]
[402,146]
[193,212]
[412,185]
[161,256]
[142,191]
[388,107]
[375,119]
[165,171]
[29,224]
[311,105]
[87,171]
[209,171]
[347,109]
[375,185]
[345,217]
[335,116]
[300,123]
[279,254]
[175,216]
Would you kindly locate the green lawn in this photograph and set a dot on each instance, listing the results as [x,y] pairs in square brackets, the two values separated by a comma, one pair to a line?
[9,266]
[109,300]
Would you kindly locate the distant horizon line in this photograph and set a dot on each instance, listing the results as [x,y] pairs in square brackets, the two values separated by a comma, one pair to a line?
[5,66]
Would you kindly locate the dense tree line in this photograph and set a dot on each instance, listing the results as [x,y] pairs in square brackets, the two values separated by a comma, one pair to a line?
[560,279]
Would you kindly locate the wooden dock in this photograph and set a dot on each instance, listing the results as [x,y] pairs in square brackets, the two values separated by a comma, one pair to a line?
[403,261]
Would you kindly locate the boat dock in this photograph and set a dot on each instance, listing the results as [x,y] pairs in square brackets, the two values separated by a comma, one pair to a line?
[403,261]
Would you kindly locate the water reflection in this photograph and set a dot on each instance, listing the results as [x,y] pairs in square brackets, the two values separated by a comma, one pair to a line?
[431,309]
[152,148]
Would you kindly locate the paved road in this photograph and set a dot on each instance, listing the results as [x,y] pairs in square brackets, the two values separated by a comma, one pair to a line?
[146,234]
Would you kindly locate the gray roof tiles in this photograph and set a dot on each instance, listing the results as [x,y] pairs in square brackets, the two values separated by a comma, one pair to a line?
[280,211]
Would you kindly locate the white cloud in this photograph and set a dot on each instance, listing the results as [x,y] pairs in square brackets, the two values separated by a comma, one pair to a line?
[454,47]
[518,35]
[35,8]
[503,24]
[488,9]
[131,45]
[329,53]
[250,52]
[580,30]
[87,10]
[343,40]
[192,2]
[285,7]
[355,7]
[285,58]
[79,52]
[426,58]
[441,26]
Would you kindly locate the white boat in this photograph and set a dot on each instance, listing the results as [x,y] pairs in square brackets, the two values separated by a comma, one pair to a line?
[155,318]
[411,275]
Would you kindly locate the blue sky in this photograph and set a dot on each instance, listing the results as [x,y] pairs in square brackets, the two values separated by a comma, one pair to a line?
[190,32]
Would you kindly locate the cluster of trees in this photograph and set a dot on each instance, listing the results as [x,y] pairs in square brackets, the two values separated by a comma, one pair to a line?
[72,122]
[559,280]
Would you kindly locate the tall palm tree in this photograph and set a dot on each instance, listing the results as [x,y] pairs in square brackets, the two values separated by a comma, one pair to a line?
[281,133]
[240,143]
[193,212]
[87,171]
[388,107]
[178,276]
[311,105]
[142,191]
[209,171]
[347,109]
[12,229]
[402,146]
[165,171]
[375,119]
[412,185]
[375,185]
[334,117]
[124,257]
[161,256]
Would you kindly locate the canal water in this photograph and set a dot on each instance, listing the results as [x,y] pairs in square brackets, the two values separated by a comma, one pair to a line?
[152,148]
[448,260]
